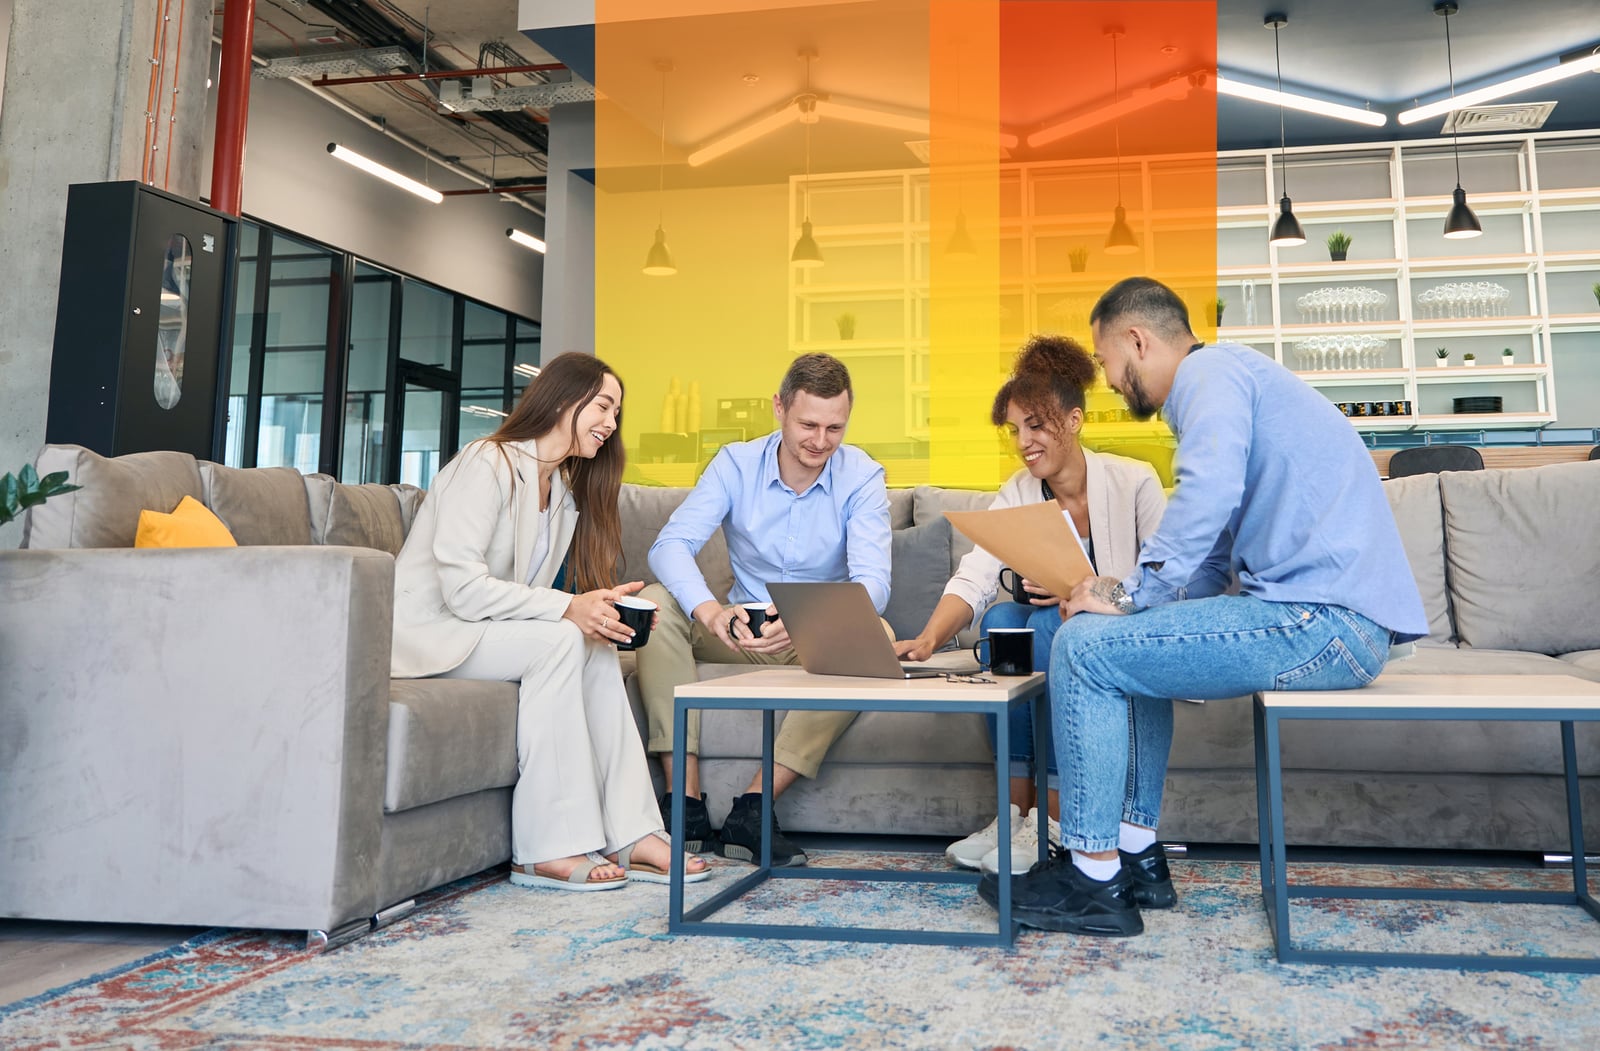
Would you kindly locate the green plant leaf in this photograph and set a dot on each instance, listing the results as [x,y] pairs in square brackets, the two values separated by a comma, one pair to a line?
[28,476]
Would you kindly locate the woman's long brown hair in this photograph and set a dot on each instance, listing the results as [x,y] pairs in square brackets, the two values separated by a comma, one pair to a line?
[570,382]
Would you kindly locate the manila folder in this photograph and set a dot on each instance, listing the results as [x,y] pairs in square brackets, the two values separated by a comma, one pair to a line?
[1033,539]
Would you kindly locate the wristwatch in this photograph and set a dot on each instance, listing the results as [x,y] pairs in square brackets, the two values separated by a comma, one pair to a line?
[1121,599]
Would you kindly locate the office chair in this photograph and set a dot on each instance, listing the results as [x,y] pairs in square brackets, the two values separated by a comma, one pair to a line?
[1431,459]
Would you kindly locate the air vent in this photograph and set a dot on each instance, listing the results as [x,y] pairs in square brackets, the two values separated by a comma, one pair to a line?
[1520,116]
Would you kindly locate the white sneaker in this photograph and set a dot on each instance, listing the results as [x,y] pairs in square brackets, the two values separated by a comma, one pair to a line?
[1024,845]
[968,852]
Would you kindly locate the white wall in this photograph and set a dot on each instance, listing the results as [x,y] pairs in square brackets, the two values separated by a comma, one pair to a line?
[291,181]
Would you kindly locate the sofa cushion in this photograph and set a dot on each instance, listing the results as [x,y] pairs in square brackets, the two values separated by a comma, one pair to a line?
[447,738]
[410,498]
[919,560]
[1415,503]
[191,524]
[1587,663]
[1521,556]
[105,512]
[645,509]
[1470,660]
[354,515]
[932,502]
[901,508]
[259,505]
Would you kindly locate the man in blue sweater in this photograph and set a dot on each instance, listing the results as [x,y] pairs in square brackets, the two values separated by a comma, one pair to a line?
[1275,488]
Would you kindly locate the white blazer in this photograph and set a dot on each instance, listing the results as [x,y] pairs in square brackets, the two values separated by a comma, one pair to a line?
[466,558]
[1125,506]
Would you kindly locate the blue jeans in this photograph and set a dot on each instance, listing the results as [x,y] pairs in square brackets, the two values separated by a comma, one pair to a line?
[1110,678]
[1044,620]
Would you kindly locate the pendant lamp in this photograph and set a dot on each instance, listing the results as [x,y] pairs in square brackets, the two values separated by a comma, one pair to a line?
[658,261]
[1286,232]
[1460,223]
[1120,239]
[806,251]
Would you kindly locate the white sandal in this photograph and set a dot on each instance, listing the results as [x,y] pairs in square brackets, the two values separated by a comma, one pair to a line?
[578,879]
[644,872]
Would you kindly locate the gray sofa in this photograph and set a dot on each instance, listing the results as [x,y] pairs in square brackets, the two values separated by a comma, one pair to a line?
[210,736]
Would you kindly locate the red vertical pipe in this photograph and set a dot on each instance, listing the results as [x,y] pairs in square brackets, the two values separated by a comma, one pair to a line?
[233,106]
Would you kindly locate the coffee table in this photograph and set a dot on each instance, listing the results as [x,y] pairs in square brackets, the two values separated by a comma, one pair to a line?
[1562,699]
[772,689]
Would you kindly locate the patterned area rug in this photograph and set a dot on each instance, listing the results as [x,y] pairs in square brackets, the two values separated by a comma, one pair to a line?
[483,964]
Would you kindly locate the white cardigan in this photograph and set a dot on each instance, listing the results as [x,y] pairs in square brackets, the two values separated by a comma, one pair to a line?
[466,557]
[1125,506]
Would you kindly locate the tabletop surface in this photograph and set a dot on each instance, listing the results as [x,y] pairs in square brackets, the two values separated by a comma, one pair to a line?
[1445,692]
[791,683]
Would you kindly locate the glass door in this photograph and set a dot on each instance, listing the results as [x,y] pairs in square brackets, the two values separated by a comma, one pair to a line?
[425,420]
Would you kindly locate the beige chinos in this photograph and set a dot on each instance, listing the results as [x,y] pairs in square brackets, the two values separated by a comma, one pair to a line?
[667,661]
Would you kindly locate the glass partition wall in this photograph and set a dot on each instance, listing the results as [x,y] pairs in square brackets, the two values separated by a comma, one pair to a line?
[423,370]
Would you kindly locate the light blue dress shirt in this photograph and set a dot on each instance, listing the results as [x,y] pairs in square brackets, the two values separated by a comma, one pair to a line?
[838,529]
[1274,485]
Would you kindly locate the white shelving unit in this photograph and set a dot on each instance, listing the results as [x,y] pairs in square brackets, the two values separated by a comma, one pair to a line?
[1535,194]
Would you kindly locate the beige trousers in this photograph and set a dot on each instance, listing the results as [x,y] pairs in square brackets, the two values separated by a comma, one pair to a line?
[584,783]
[667,662]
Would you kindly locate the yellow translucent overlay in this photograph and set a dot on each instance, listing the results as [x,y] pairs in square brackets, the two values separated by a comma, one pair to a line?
[913,187]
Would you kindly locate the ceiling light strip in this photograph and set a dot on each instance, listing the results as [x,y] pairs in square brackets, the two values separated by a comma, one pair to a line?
[1513,86]
[526,240]
[388,175]
[1304,103]
[742,136]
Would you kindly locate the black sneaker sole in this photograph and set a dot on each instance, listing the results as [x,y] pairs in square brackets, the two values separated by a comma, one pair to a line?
[700,846]
[1098,925]
[745,854]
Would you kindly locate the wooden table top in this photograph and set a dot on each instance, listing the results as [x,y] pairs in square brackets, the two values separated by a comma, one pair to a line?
[778,684]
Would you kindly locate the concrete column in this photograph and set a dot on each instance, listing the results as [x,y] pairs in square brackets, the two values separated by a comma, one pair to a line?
[567,312]
[78,81]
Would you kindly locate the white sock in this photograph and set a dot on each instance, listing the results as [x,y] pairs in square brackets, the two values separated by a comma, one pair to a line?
[1095,869]
[1132,838]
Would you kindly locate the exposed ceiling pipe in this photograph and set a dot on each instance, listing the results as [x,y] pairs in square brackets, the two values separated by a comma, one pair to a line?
[437,74]
[405,140]
[527,187]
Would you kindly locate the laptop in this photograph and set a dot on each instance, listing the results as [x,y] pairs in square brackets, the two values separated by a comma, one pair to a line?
[836,631]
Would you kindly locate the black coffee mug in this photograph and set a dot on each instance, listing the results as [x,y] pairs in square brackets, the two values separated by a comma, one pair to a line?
[1017,591]
[757,612]
[636,613]
[1010,651]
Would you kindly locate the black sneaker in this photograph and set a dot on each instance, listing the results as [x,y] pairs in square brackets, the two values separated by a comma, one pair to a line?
[1056,895]
[740,837]
[1152,880]
[698,835]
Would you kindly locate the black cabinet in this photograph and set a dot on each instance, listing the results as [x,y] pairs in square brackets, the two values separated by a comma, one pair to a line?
[145,288]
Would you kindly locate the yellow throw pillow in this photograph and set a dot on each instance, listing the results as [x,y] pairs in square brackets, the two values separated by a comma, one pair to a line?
[191,524]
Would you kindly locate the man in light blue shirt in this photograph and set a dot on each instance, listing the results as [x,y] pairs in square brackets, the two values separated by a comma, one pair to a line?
[794,505]
[1274,489]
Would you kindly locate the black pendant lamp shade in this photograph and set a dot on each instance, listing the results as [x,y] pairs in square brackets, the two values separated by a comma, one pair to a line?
[1120,241]
[1286,232]
[806,252]
[658,261]
[1460,223]
[960,243]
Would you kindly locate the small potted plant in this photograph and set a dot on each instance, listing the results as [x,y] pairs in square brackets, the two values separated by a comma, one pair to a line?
[1596,290]
[847,325]
[1338,245]
[1078,258]
[1508,357]
[1441,357]
[1469,359]
[1216,307]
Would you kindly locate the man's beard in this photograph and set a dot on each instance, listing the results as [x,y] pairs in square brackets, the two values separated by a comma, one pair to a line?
[1139,401]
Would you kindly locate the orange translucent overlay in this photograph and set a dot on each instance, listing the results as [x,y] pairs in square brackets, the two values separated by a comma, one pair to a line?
[963,180]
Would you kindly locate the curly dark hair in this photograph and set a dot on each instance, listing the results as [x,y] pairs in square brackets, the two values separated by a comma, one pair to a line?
[1048,380]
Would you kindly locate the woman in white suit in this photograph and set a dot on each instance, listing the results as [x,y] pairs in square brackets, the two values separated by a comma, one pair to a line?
[1112,504]
[474,599]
